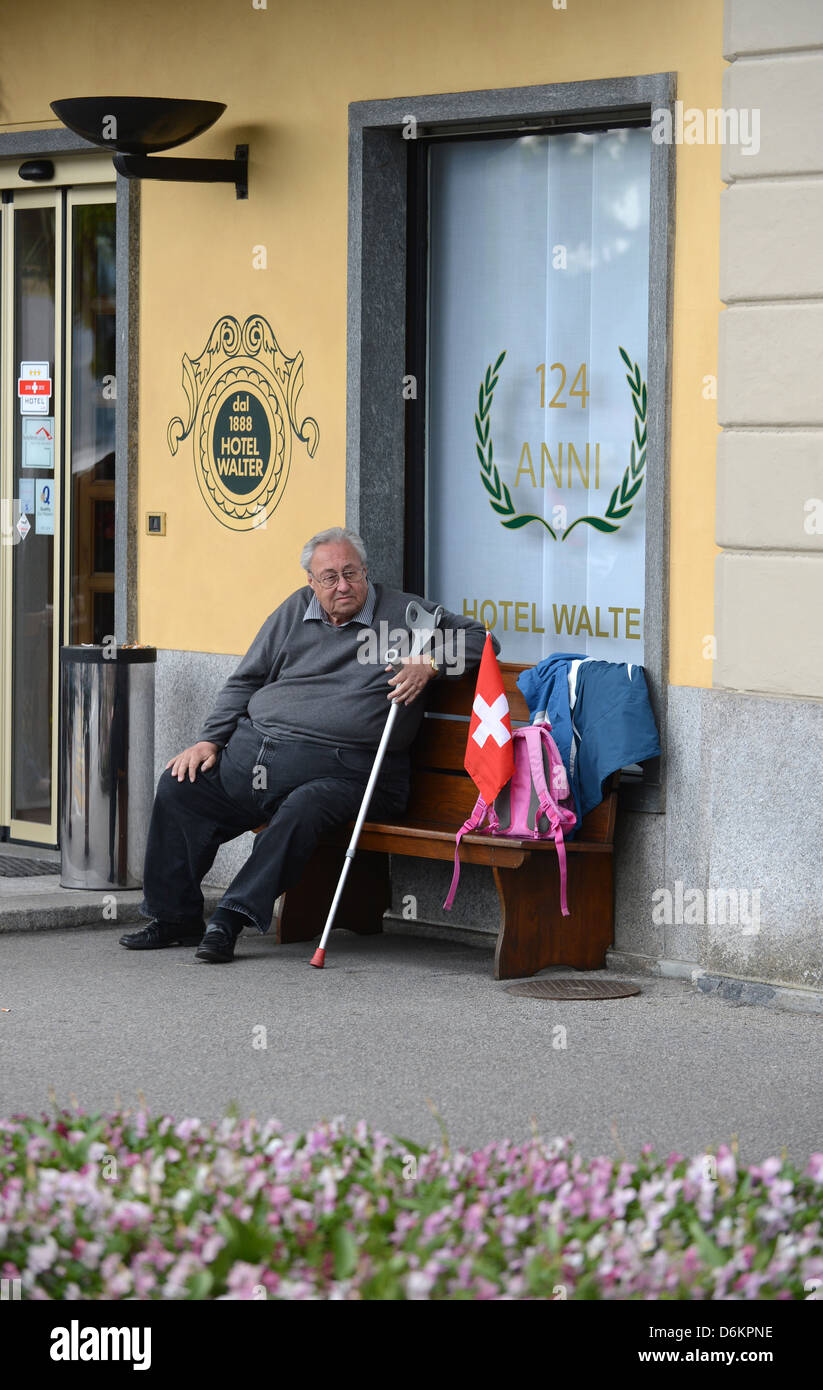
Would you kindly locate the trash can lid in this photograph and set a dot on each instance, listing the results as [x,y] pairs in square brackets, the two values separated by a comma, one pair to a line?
[93,653]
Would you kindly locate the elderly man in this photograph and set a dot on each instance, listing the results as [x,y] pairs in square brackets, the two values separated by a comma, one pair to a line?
[291,740]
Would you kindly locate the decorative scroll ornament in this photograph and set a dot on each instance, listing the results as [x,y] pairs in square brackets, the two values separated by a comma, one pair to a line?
[242,394]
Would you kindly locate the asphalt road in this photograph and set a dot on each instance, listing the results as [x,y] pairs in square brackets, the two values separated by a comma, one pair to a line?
[392,1026]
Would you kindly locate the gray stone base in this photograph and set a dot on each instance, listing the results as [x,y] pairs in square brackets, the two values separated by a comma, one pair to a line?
[186,687]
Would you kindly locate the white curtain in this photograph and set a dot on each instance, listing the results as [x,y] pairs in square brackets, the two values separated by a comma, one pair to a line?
[539,248]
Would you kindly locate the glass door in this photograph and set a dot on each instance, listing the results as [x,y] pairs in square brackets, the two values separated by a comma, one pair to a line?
[32,447]
[57,403]
[91,403]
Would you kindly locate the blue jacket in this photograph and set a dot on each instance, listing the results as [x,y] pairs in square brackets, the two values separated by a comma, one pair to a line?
[610,726]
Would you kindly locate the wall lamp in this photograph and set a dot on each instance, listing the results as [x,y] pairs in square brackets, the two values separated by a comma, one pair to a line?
[137,127]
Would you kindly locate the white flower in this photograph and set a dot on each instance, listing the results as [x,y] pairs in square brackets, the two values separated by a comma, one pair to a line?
[42,1256]
[418,1285]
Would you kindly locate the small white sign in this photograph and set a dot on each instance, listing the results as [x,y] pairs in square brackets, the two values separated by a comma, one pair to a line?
[44,512]
[27,486]
[38,443]
[34,388]
[24,526]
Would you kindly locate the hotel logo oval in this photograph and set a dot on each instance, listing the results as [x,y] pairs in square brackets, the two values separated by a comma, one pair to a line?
[242,396]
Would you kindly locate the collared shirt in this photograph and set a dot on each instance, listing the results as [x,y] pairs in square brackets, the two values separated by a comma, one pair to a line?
[316,610]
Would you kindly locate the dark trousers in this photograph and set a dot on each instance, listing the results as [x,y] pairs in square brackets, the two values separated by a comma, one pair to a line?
[301,789]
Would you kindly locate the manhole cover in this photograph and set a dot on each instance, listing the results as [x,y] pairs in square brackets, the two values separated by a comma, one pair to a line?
[12,866]
[568,988]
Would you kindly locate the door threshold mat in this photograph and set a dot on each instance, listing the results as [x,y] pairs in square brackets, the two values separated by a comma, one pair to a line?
[14,866]
[568,987]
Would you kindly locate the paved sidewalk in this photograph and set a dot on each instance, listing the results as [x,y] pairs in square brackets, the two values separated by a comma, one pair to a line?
[391,1024]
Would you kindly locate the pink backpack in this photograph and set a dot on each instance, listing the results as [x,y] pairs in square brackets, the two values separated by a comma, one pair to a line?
[525,808]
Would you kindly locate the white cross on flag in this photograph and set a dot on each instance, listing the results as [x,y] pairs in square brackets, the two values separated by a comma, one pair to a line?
[489,759]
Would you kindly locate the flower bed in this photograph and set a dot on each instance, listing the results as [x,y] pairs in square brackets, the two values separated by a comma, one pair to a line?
[132,1205]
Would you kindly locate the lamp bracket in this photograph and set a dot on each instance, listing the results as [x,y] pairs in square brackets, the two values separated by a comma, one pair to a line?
[142,166]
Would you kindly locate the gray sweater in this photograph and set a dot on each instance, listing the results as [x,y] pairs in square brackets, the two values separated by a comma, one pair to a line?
[303,680]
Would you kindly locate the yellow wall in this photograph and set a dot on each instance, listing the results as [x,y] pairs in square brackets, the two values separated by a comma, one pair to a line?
[287,74]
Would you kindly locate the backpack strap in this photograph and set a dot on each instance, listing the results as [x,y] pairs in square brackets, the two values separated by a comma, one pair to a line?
[547,805]
[476,819]
[534,744]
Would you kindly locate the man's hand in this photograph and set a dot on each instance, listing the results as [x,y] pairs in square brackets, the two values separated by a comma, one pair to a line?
[199,755]
[415,676]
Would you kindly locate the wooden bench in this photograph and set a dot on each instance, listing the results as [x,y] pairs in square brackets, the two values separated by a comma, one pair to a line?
[533,933]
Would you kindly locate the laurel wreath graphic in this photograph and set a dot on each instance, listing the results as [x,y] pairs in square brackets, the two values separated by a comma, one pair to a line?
[621,500]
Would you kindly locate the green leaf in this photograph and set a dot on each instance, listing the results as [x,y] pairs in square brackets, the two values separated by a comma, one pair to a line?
[523,520]
[707,1248]
[345,1253]
[485,466]
[613,500]
[636,404]
[200,1284]
[597,522]
[644,401]
[496,366]
[502,508]
[410,1146]
[626,357]
[495,491]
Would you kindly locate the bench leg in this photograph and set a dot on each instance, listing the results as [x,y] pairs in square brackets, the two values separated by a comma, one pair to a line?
[366,896]
[533,934]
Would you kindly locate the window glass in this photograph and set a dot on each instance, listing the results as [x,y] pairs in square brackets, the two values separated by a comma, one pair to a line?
[536,388]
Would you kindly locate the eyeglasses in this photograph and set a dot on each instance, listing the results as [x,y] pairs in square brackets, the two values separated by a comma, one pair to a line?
[329,579]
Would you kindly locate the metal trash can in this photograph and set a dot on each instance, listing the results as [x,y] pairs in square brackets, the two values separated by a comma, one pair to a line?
[106,764]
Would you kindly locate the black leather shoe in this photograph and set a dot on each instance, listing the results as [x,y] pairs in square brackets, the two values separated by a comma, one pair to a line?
[158,934]
[217,946]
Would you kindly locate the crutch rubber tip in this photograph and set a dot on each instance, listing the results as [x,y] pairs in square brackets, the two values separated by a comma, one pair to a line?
[319,957]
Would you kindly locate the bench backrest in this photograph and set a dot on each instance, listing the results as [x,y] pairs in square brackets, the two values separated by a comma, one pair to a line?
[442,793]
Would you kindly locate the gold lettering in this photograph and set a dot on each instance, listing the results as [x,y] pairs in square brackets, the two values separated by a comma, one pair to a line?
[487,603]
[535,628]
[557,473]
[517,619]
[521,468]
[629,612]
[584,618]
[565,617]
[572,450]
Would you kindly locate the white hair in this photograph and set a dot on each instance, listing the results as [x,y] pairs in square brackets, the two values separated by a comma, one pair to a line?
[335,534]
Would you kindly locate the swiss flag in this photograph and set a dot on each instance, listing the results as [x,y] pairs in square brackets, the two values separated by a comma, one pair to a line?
[489,759]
